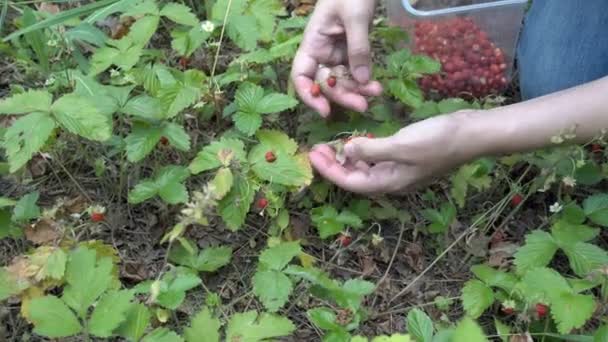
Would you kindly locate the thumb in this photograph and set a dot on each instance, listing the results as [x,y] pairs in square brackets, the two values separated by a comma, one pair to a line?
[358,46]
[370,150]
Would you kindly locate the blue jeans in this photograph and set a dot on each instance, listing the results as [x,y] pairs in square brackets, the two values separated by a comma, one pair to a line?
[564,43]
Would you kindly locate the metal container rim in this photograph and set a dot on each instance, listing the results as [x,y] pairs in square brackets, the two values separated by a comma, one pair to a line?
[460,9]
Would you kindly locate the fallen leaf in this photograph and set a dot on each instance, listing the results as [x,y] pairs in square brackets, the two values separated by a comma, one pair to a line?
[48,7]
[478,245]
[26,298]
[502,253]
[521,338]
[42,232]
[413,256]
[369,266]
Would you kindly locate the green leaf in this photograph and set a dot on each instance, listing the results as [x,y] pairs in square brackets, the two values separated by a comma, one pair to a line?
[141,141]
[392,338]
[52,318]
[440,220]
[476,298]
[55,264]
[571,311]
[277,257]
[110,312]
[272,288]
[596,209]
[589,174]
[143,191]
[209,157]
[203,328]
[145,107]
[585,258]
[221,184]
[28,102]
[407,92]
[87,279]
[601,335]
[162,335]
[538,251]
[234,207]
[275,103]
[86,32]
[326,221]
[473,174]
[25,137]
[495,278]
[9,285]
[567,234]
[186,42]
[248,327]
[243,31]
[136,321]
[468,330]
[247,122]
[349,218]
[502,330]
[167,184]
[177,136]
[542,283]
[26,209]
[288,170]
[143,29]
[176,283]
[79,116]
[573,214]
[324,318]
[180,14]
[213,258]
[6,202]
[420,326]
[177,97]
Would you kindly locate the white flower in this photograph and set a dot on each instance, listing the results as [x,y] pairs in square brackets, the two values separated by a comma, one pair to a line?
[555,208]
[557,139]
[580,163]
[207,26]
[114,73]
[569,181]
[51,42]
[49,81]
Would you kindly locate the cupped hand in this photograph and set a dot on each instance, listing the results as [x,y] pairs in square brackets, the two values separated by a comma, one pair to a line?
[337,35]
[410,158]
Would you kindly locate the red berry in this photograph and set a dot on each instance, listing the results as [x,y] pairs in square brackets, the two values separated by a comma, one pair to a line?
[270,157]
[97,217]
[164,140]
[541,310]
[331,81]
[345,240]
[262,203]
[183,62]
[516,200]
[508,311]
[596,148]
[315,90]
[370,136]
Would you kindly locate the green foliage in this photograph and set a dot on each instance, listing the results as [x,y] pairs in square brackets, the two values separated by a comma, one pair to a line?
[476,297]
[476,175]
[203,327]
[168,184]
[420,326]
[596,208]
[329,222]
[251,327]
[209,259]
[170,290]
[440,219]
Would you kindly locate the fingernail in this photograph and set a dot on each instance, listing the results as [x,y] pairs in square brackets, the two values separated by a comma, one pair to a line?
[361,74]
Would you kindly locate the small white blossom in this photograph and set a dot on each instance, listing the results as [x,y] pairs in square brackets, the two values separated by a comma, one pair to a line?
[207,26]
[557,139]
[51,42]
[555,208]
[129,78]
[580,163]
[114,73]
[569,181]
[49,81]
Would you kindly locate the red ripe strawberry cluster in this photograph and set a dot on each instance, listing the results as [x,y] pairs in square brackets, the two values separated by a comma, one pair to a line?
[471,64]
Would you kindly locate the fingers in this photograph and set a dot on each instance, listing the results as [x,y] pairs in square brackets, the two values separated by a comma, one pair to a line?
[357,37]
[380,178]
[372,150]
[303,73]
[346,92]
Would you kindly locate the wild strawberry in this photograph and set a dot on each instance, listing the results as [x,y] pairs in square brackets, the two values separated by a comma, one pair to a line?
[516,200]
[270,157]
[315,90]
[183,62]
[541,310]
[262,203]
[508,311]
[370,135]
[508,307]
[344,240]
[97,217]
[164,140]
[331,81]
[596,148]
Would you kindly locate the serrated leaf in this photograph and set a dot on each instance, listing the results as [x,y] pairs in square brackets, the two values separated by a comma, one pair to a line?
[325,220]
[86,32]
[324,318]
[247,122]
[162,335]
[208,157]
[585,258]
[173,193]
[55,264]
[565,233]
[145,107]
[272,288]
[110,312]
[213,258]
[285,170]
[141,141]
[234,207]
[538,251]
[495,278]
[26,208]
[221,184]
[143,29]
[143,191]
[275,103]
[176,283]
[243,31]
[87,279]
[502,330]
[9,285]
[203,328]
[596,209]
[601,335]
[277,257]
[177,97]
[542,283]
[52,318]
[177,136]
[6,202]
[391,338]
[476,298]
[468,330]
[137,319]
[167,184]
[28,102]
[248,327]
[571,311]
[180,14]
[420,326]
[407,92]
[277,140]
[25,137]
[80,116]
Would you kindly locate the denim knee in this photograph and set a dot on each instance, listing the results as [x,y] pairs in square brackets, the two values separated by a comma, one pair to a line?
[562,44]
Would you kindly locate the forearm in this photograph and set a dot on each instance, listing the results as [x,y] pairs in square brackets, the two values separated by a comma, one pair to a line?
[531,124]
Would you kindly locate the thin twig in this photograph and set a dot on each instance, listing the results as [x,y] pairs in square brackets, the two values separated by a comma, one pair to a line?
[390,264]
[219,45]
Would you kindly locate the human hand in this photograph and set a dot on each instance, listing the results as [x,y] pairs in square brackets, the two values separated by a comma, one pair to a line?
[336,35]
[410,158]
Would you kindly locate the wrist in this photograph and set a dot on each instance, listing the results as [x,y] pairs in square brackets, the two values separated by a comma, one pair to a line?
[479,134]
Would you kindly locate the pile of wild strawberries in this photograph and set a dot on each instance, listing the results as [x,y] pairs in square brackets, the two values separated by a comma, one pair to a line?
[471,64]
